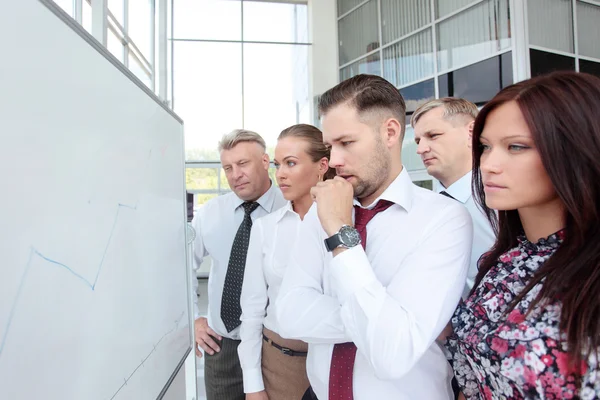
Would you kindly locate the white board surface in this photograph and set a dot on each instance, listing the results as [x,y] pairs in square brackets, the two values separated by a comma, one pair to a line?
[93,281]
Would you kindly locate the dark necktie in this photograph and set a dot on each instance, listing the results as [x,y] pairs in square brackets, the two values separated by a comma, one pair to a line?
[344,354]
[230,301]
[444,193]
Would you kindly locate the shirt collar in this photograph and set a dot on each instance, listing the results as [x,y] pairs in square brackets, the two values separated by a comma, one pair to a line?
[398,192]
[265,201]
[461,189]
[283,211]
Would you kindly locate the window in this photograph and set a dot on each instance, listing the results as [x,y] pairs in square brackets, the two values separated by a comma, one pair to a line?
[229,75]
[409,60]
[479,82]
[399,18]
[476,33]
[368,65]
[590,67]
[416,95]
[358,32]
[543,62]
[551,24]
[552,33]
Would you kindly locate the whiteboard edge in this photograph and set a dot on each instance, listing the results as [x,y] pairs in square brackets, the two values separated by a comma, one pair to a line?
[80,30]
[174,375]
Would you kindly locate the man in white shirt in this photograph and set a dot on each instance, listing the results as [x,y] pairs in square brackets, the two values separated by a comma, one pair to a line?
[443,133]
[371,315]
[222,231]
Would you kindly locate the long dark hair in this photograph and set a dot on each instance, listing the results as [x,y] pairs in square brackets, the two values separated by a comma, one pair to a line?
[561,110]
[316,148]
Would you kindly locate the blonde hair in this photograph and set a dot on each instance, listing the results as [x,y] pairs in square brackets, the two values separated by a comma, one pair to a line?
[453,106]
[236,136]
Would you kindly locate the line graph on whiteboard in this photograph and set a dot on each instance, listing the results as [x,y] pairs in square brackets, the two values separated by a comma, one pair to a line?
[88,282]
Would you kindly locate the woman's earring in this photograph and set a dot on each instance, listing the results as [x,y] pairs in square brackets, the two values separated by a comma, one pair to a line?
[320,178]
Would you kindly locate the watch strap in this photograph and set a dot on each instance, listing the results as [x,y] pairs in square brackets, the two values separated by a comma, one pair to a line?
[333,242]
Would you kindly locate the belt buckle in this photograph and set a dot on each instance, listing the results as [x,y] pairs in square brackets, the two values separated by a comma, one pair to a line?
[286,351]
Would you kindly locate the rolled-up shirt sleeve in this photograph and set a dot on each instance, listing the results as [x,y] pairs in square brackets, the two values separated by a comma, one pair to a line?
[254,300]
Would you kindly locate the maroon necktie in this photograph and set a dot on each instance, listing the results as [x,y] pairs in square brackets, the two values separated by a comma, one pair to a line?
[342,359]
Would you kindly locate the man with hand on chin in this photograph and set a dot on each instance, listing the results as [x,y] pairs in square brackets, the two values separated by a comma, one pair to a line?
[379,264]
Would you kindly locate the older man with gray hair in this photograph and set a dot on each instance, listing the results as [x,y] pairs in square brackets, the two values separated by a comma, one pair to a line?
[222,231]
[443,133]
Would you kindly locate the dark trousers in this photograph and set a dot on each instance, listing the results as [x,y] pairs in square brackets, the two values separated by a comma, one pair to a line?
[223,373]
[309,395]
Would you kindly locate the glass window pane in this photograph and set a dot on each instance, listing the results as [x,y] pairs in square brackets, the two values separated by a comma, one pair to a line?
[115,45]
[66,5]
[506,70]
[358,33]
[200,200]
[418,94]
[445,7]
[399,18]
[474,34]
[207,19]
[346,5]
[224,183]
[117,9]
[135,66]
[201,178]
[551,24]
[207,90]
[368,65]
[410,159]
[543,62]
[86,16]
[409,60]
[140,26]
[273,96]
[588,27]
[275,22]
[590,67]
[479,82]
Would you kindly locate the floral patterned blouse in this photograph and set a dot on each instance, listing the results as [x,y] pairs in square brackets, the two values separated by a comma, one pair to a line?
[515,357]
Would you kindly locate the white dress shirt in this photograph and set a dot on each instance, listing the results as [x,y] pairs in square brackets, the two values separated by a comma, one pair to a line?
[483,234]
[216,225]
[391,300]
[268,256]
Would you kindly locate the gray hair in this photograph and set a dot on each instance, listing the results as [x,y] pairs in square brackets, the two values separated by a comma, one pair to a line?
[236,136]
[452,105]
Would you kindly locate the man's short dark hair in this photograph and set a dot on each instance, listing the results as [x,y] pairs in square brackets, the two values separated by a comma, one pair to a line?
[367,94]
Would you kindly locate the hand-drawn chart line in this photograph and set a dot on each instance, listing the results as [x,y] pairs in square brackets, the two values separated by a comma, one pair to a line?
[177,321]
[35,252]
[91,285]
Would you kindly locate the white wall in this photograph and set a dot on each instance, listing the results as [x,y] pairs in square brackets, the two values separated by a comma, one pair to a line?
[323,56]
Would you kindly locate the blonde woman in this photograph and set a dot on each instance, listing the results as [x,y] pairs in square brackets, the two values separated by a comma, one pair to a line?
[273,367]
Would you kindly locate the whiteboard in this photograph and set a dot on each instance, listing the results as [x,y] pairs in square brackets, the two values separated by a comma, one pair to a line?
[94,288]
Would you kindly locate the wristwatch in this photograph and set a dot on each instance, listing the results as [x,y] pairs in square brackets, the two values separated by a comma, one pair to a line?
[346,237]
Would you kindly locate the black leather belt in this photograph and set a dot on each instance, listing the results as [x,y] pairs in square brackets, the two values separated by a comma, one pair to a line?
[285,350]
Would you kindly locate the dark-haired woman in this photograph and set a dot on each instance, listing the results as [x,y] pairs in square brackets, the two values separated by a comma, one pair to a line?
[273,367]
[530,328]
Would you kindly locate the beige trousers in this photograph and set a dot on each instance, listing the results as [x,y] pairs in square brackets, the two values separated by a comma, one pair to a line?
[284,376]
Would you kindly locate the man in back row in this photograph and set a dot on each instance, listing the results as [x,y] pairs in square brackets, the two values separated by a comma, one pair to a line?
[379,265]
[443,133]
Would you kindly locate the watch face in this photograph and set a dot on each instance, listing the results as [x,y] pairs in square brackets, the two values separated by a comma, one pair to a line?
[349,236]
